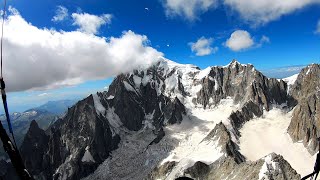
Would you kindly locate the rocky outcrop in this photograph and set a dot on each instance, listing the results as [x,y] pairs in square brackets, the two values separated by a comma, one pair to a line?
[243,83]
[270,167]
[73,147]
[228,147]
[174,111]
[240,117]
[307,82]
[160,172]
[34,148]
[305,123]
[139,94]
[7,171]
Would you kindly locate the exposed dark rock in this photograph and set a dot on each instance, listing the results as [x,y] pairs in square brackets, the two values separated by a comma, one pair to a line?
[160,172]
[174,111]
[243,83]
[227,168]
[59,154]
[127,104]
[221,133]
[307,82]
[305,123]
[199,170]
[34,148]
[240,117]
[7,171]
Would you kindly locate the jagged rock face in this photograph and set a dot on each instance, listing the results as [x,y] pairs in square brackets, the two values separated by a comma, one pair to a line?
[247,112]
[35,141]
[305,123]
[160,172]
[307,82]
[243,83]
[7,171]
[270,167]
[174,111]
[74,146]
[139,94]
[89,131]
[227,145]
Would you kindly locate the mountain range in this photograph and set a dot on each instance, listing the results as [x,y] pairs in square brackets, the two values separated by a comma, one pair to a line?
[44,115]
[171,120]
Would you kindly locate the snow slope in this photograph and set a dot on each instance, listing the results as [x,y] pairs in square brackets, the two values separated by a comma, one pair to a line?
[135,157]
[290,80]
[191,132]
[262,136]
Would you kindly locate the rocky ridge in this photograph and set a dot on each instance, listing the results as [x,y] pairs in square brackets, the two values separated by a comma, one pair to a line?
[305,123]
[135,112]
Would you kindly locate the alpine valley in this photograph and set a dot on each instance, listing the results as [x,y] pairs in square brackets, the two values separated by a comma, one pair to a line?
[170,120]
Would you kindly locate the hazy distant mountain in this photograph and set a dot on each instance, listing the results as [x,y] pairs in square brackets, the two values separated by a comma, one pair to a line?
[44,115]
[55,107]
[21,122]
[171,120]
[283,72]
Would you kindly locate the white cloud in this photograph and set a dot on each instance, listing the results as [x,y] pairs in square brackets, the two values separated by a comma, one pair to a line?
[259,12]
[239,40]
[37,58]
[264,39]
[254,12]
[318,28]
[89,23]
[189,9]
[43,94]
[203,46]
[61,14]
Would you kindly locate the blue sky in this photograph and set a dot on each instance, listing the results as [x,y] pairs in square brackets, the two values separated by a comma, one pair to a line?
[271,35]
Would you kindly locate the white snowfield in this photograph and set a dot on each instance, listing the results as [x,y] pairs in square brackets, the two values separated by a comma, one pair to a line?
[191,132]
[262,136]
[290,81]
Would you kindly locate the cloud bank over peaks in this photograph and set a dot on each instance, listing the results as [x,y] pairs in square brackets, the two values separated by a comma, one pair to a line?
[36,58]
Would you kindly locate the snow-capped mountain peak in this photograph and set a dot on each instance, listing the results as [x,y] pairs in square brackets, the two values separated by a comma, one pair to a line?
[165,121]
